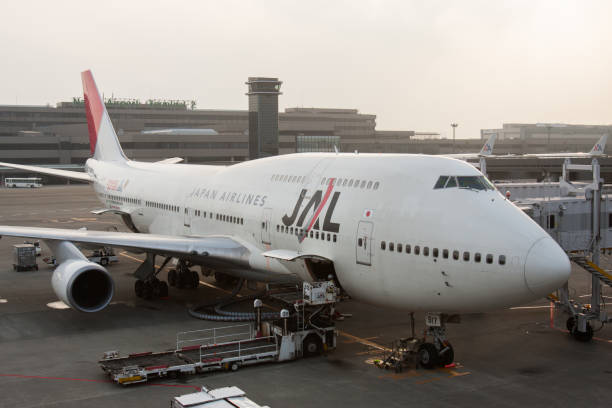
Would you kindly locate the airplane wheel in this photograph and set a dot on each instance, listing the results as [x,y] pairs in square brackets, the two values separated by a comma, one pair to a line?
[195,279]
[584,336]
[428,355]
[163,289]
[312,346]
[571,322]
[172,277]
[104,261]
[147,293]
[448,356]
[139,288]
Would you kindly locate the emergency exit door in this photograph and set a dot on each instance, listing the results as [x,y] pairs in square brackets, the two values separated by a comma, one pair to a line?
[363,243]
[265,225]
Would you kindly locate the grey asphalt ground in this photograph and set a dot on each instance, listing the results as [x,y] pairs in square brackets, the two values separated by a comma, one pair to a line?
[48,357]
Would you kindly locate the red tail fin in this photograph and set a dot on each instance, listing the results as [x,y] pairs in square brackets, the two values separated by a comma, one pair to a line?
[94,108]
[103,140]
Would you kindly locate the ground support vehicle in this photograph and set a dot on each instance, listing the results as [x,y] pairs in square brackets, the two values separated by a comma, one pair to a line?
[103,256]
[271,346]
[223,348]
[24,257]
[229,397]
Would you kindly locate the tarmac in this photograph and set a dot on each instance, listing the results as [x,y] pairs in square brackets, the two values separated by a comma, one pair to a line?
[49,354]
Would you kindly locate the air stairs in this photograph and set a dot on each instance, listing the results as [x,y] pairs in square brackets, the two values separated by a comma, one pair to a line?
[593,269]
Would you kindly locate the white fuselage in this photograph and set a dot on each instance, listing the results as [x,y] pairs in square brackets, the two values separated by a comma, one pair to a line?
[394,204]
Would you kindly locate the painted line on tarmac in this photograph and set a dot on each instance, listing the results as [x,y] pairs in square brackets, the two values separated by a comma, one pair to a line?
[539,307]
[40,377]
[363,341]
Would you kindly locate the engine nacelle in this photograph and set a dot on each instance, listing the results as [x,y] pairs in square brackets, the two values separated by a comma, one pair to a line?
[83,285]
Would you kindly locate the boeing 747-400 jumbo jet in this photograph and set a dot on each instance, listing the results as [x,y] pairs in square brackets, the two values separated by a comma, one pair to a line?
[411,232]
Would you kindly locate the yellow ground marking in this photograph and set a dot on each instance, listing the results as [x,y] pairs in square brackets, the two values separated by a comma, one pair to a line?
[363,341]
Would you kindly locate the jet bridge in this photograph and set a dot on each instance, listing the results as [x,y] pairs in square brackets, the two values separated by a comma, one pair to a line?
[579,218]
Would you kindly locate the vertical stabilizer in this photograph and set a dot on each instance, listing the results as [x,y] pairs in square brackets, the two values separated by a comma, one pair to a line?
[600,146]
[103,140]
[487,149]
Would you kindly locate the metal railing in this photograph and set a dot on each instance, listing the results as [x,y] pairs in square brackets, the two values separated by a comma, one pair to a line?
[226,334]
[241,349]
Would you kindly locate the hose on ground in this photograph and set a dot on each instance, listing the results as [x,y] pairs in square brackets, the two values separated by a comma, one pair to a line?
[219,315]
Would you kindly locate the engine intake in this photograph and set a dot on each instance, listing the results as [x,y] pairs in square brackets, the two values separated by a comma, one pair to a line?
[83,285]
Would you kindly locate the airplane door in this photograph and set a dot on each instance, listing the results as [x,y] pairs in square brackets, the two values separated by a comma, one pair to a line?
[363,243]
[187,220]
[265,225]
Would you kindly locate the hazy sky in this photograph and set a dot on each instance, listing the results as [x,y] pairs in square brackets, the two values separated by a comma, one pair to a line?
[417,65]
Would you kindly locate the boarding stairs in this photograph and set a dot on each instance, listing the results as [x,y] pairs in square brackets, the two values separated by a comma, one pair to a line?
[593,269]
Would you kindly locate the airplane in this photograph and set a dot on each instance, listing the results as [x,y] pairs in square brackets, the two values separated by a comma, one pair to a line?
[596,151]
[406,231]
[486,151]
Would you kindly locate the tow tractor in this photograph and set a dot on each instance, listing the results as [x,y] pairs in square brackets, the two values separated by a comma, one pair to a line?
[103,256]
[232,347]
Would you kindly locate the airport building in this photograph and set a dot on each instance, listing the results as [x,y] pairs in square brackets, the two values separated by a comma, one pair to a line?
[59,136]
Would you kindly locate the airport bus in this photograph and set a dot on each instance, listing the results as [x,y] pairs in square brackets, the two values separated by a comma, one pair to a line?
[27,182]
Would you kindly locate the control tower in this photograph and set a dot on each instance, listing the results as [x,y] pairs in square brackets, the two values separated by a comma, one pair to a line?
[263,116]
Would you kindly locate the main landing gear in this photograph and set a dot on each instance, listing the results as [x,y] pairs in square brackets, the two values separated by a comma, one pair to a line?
[183,277]
[148,286]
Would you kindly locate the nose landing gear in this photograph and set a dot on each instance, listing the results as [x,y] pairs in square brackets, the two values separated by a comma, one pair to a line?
[416,352]
[440,352]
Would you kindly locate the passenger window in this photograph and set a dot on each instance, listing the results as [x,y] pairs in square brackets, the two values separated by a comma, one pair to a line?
[417,250]
[407,248]
[391,246]
[351,183]
[277,227]
[317,235]
[311,234]
[426,251]
[369,186]
[344,182]
[328,236]
[291,230]
[399,247]
[502,259]
[338,182]
[455,255]
[359,241]
[435,252]
[356,185]
[323,181]
[441,182]
[477,257]
[466,256]
[383,245]
[489,258]
[335,237]
[376,185]
[445,253]
[452,182]
[322,236]
[363,183]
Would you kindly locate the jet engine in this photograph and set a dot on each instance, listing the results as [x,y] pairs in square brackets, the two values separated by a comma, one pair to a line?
[83,285]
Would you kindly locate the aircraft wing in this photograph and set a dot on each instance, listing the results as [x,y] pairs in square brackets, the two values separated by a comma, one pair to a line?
[74,175]
[211,247]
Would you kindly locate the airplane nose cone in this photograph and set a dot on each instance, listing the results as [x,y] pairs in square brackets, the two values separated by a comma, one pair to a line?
[547,267]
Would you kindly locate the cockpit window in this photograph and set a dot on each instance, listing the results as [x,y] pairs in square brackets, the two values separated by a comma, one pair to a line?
[441,182]
[468,182]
